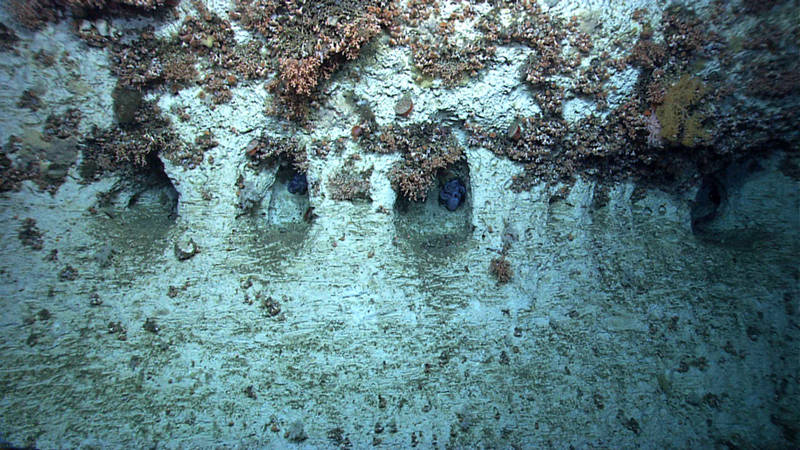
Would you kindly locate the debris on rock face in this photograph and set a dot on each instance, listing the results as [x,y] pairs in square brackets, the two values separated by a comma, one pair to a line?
[206,140]
[7,38]
[30,99]
[271,306]
[295,432]
[44,314]
[452,194]
[94,299]
[52,256]
[118,329]
[151,325]
[68,273]
[309,216]
[404,106]
[29,234]
[186,249]
[126,103]
[515,130]
[62,126]
[501,269]
[252,147]
[250,392]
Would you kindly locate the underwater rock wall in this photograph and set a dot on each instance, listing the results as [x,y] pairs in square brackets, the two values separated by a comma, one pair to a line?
[622,271]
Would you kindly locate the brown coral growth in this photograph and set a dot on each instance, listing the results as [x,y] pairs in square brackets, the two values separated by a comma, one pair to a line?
[35,13]
[269,151]
[426,150]
[204,39]
[350,184]
[148,62]
[131,145]
[500,268]
[309,42]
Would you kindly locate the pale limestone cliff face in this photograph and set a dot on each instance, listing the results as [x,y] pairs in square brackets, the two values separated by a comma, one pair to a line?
[378,324]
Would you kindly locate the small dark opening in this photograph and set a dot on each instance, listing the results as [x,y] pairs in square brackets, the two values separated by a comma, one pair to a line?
[708,202]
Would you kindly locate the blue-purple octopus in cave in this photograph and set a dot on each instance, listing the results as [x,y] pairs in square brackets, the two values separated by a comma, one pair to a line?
[452,194]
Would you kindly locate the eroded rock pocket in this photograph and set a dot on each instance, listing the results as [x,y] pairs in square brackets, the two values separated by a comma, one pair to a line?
[441,220]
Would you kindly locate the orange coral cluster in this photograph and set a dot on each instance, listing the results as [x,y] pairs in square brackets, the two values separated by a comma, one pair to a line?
[270,151]
[350,184]
[300,76]
[437,48]
[309,44]
[131,145]
[203,37]
[500,268]
[150,61]
[426,150]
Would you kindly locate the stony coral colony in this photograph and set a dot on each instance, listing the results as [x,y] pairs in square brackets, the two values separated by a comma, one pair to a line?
[297,45]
